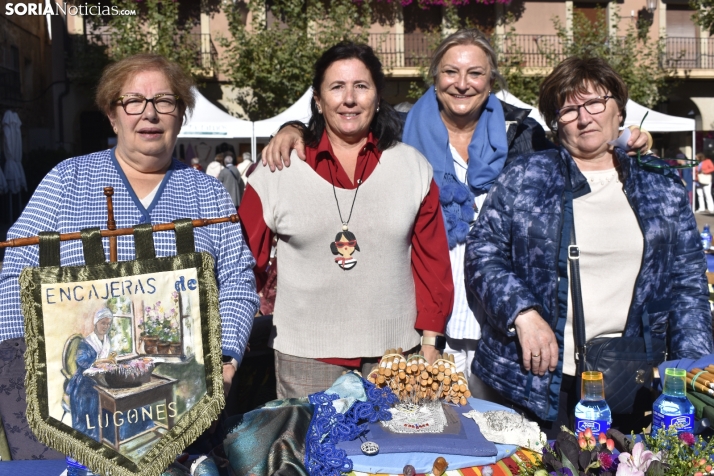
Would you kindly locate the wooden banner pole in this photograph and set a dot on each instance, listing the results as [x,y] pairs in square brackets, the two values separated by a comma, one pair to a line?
[34,240]
[111,224]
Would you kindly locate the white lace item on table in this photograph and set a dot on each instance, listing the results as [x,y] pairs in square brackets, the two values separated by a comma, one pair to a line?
[505,427]
[411,418]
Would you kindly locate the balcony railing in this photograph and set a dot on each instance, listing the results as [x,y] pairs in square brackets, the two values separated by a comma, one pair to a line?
[531,51]
[402,50]
[691,53]
[206,55]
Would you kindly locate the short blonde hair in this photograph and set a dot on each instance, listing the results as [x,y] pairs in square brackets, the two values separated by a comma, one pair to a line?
[115,76]
[467,36]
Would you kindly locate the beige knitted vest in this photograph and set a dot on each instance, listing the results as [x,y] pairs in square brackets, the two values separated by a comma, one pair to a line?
[322,310]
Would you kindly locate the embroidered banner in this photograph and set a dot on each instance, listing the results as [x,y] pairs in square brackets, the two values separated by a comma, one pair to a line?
[123,359]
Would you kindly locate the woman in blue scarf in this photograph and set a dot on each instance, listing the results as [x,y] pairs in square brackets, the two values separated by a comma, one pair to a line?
[467,134]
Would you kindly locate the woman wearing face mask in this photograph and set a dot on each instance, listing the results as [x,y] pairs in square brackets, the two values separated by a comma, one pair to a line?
[359,190]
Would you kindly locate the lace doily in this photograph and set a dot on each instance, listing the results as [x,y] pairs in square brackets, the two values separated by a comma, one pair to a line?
[501,426]
[411,418]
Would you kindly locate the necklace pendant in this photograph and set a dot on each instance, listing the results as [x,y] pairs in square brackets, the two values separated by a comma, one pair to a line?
[344,247]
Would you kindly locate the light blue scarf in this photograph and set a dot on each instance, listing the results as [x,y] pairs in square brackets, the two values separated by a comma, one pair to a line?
[487,155]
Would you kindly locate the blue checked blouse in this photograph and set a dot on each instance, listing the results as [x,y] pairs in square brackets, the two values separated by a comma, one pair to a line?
[71,198]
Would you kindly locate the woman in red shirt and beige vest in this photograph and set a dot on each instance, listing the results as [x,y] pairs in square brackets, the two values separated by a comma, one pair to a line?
[364,262]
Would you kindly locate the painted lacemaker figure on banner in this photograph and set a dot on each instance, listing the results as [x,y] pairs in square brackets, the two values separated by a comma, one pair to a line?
[146,98]
[82,396]
[93,351]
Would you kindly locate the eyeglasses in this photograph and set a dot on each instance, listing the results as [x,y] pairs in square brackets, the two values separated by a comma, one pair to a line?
[134,104]
[342,244]
[592,106]
[657,163]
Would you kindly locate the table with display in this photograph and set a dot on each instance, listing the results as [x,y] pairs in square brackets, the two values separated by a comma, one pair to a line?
[505,463]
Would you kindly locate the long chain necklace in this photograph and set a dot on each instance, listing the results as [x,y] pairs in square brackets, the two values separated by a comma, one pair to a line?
[345,243]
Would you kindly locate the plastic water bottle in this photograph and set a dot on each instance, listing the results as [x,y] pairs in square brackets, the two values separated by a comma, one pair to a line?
[706,236]
[672,408]
[592,411]
[75,468]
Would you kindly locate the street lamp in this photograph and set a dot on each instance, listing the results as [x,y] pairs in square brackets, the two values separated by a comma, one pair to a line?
[651,5]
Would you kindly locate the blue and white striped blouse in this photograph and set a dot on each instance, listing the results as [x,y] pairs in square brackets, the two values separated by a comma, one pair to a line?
[71,198]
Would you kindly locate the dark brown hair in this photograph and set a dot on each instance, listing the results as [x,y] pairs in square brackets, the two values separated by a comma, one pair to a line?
[573,76]
[385,125]
[115,76]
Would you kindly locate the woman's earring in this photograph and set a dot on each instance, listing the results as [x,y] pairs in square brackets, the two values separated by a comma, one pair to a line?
[377,108]
[319,111]
[435,90]
[116,130]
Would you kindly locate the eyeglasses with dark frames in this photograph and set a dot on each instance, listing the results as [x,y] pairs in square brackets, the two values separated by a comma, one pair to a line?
[593,106]
[135,104]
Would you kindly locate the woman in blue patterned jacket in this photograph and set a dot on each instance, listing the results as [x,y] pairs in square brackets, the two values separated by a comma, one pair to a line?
[638,245]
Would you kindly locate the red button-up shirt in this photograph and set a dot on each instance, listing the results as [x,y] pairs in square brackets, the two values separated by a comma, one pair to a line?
[431,267]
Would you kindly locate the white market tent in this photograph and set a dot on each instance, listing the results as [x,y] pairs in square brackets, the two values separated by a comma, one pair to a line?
[655,122]
[210,122]
[509,98]
[300,111]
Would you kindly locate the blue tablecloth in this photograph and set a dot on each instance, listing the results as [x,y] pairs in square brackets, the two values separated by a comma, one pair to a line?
[423,462]
[52,467]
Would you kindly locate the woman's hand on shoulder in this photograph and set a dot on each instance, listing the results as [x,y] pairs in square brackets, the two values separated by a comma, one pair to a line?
[277,152]
[540,349]
[640,141]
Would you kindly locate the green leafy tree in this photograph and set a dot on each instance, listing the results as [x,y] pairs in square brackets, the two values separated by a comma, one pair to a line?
[704,15]
[635,56]
[271,62]
[157,27]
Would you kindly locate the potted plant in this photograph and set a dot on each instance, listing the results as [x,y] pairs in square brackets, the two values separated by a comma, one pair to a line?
[160,328]
[150,327]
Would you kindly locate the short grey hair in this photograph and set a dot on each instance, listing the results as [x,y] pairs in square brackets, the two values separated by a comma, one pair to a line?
[228,160]
[467,36]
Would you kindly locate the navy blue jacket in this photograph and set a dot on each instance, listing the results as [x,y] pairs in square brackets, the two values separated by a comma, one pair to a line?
[512,262]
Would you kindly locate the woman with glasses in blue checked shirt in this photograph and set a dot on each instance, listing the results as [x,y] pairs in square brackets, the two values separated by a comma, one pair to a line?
[638,242]
[146,98]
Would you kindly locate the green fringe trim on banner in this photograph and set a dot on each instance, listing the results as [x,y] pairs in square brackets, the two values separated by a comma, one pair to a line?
[96,456]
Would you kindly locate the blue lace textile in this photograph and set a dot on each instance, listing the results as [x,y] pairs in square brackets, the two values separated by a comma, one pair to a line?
[329,427]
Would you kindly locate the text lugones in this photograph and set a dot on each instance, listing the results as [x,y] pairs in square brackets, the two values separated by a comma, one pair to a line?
[133,415]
